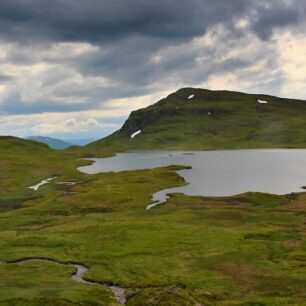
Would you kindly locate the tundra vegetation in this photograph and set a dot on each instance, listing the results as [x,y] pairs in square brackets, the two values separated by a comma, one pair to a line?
[249,249]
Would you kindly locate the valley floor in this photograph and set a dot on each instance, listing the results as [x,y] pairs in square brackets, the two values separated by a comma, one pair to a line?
[244,250]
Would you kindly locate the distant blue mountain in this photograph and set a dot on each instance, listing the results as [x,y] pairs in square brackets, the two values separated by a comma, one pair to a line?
[53,143]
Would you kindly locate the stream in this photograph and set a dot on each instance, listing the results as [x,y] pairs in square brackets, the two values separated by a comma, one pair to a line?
[78,276]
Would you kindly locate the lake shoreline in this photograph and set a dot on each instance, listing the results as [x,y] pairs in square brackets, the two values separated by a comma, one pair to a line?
[218,173]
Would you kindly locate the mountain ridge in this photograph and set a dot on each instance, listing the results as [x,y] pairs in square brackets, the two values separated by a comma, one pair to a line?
[201,119]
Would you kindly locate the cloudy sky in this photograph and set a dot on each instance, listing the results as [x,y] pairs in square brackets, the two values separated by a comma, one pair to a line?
[75,69]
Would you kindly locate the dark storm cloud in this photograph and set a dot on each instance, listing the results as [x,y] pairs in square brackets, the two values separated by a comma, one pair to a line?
[130,31]
[268,20]
[103,21]
[127,34]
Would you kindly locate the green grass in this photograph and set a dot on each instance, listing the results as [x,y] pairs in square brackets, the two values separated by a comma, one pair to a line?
[25,162]
[249,249]
[47,284]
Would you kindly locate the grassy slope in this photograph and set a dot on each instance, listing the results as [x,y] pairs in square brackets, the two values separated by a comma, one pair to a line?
[243,250]
[24,163]
[237,121]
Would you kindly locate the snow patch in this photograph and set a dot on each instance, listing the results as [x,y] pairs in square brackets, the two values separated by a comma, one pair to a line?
[43,182]
[190,97]
[135,134]
[262,101]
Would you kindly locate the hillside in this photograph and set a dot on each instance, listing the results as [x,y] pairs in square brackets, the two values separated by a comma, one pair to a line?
[24,162]
[202,119]
[53,143]
[14,145]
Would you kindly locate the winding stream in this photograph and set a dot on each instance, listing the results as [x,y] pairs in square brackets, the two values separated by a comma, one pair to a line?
[78,276]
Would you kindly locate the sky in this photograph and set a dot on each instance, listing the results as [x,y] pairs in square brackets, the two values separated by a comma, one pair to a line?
[76,69]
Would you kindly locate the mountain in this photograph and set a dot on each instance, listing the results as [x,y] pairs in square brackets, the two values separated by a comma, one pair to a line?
[53,143]
[203,119]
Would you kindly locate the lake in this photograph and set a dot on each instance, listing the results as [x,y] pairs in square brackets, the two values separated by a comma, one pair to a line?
[218,173]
